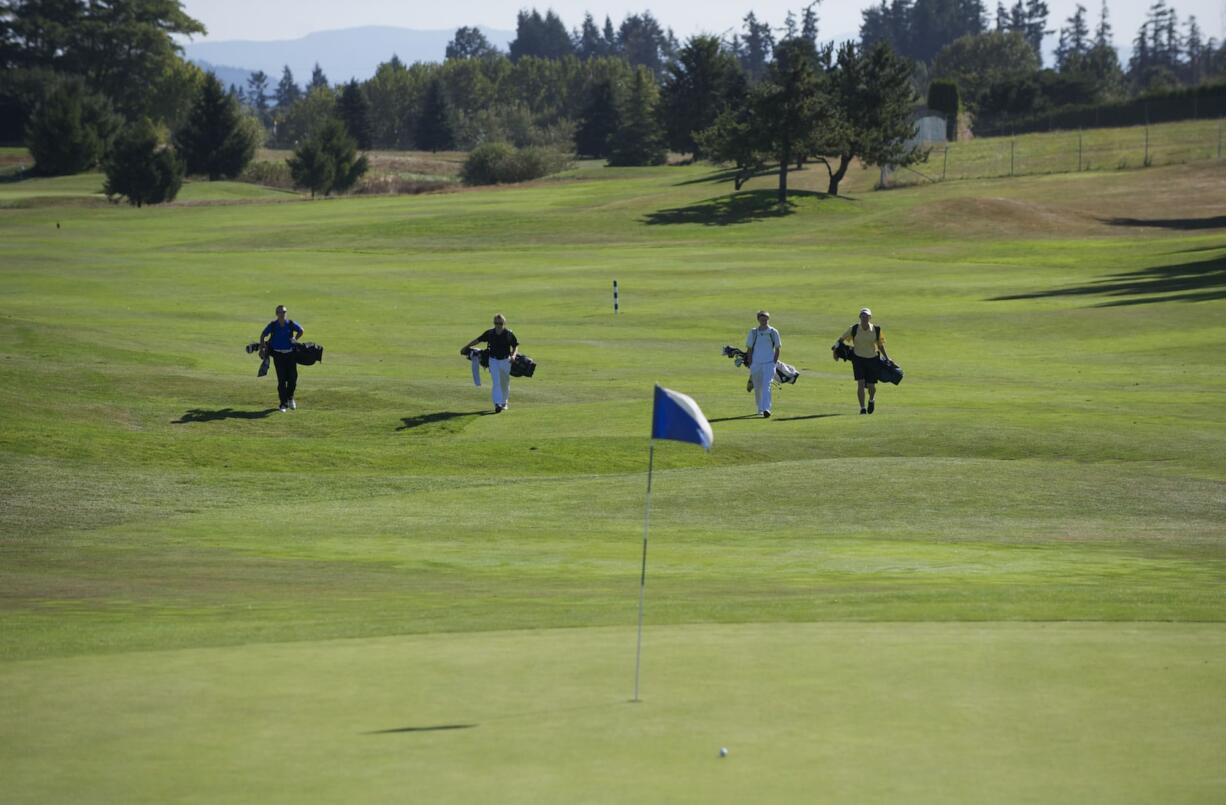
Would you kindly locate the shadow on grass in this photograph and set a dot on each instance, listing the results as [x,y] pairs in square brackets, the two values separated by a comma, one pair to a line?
[435,728]
[774,419]
[807,416]
[202,415]
[735,418]
[1199,281]
[411,422]
[736,208]
[1215,222]
[728,175]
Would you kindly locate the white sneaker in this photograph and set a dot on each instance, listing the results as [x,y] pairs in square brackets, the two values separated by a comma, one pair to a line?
[293,406]
[282,409]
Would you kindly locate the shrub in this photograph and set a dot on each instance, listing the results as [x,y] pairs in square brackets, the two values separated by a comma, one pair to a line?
[269,174]
[141,169]
[500,163]
[327,162]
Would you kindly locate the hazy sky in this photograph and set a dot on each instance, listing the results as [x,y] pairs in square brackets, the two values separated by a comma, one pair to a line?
[290,19]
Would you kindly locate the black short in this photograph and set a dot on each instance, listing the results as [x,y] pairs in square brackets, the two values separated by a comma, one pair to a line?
[866,369]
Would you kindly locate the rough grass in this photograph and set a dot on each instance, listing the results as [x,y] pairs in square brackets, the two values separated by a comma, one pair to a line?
[200,597]
[1069,152]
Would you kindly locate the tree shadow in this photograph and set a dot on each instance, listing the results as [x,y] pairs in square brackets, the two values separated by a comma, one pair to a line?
[1215,222]
[435,728]
[411,422]
[1186,282]
[736,208]
[727,175]
[203,415]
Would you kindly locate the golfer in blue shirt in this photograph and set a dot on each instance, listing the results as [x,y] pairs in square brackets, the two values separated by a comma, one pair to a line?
[279,337]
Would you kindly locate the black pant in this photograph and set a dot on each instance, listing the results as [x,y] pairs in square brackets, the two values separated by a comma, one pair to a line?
[287,375]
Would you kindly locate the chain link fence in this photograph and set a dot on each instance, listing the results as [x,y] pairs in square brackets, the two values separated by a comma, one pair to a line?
[1064,152]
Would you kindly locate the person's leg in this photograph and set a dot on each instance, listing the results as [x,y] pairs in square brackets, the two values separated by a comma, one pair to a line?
[291,380]
[860,393]
[500,372]
[278,362]
[766,374]
[757,388]
[872,395]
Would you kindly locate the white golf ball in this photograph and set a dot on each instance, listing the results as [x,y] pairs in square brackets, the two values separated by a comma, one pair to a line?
[723,751]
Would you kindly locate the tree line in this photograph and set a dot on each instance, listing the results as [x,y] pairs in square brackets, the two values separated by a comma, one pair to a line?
[79,73]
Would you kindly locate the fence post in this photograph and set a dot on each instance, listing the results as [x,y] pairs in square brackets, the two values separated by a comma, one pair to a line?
[1079,150]
[1012,143]
[1219,138]
[1145,162]
[945,164]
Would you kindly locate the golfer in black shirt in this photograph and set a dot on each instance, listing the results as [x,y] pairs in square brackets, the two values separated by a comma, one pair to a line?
[502,344]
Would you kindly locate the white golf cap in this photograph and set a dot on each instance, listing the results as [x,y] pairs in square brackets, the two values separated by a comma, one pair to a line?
[865,312]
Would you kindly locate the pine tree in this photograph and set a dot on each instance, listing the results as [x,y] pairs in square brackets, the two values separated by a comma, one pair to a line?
[257,91]
[434,132]
[758,42]
[327,161]
[215,141]
[699,86]
[311,168]
[788,107]
[638,139]
[318,79]
[140,169]
[613,47]
[354,112]
[589,44]
[809,23]
[1036,26]
[1194,46]
[71,130]
[1102,34]
[288,93]
[598,120]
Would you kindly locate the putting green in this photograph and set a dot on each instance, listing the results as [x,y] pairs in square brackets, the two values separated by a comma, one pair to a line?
[819,712]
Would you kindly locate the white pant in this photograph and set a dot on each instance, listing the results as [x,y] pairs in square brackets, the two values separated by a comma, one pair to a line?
[500,380]
[762,372]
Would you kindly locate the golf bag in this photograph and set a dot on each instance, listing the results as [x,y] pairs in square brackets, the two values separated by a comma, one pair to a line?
[523,366]
[483,355]
[307,353]
[784,372]
[889,372]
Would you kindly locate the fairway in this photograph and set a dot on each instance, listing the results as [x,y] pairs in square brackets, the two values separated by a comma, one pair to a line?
[1007,585]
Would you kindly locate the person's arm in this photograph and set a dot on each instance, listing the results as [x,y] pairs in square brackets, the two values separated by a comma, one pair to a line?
[778,346]
[844,338]
[264,337]
[474,342]
[295,333]
[749,343]
[514,347]
[881,344]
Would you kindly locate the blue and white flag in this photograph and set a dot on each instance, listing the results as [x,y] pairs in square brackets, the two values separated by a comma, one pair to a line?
[676,416]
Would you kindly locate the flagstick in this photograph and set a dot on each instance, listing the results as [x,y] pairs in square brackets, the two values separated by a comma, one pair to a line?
[638,653]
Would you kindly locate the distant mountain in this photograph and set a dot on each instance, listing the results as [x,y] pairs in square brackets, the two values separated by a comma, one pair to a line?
[227,75]
[343,54]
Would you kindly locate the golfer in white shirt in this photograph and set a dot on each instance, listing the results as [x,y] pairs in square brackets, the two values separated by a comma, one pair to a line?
[762,345]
